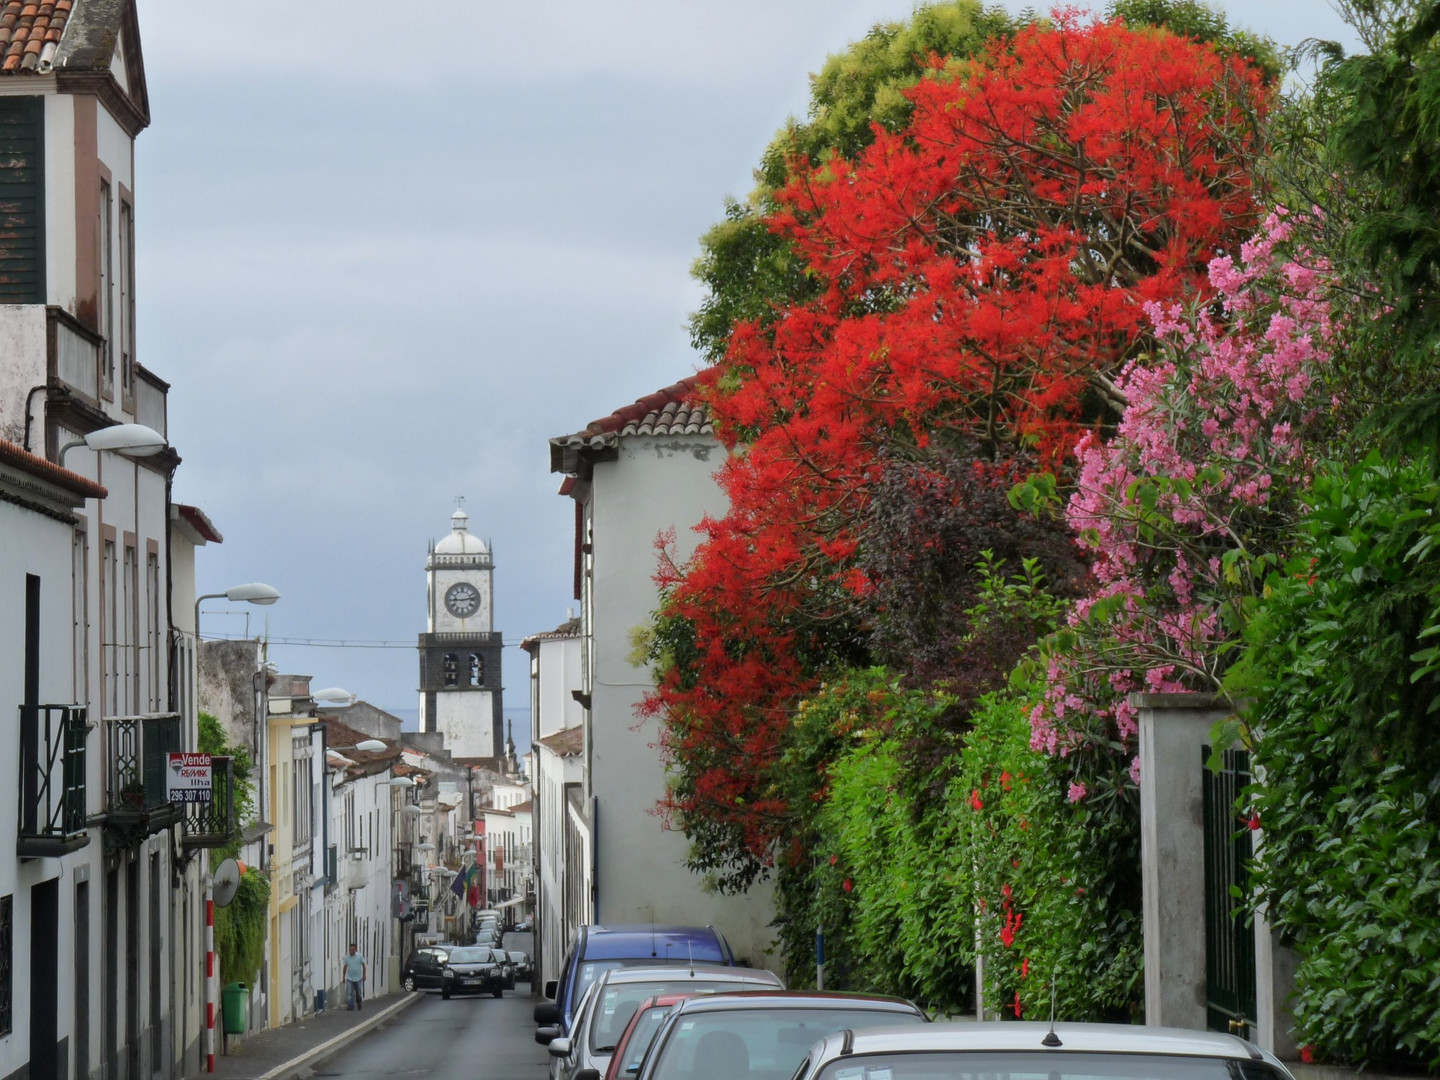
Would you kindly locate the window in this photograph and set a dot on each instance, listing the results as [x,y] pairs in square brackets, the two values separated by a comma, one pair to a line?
[451,669]
[7,966]
[131,644]
[109,626]
[477,670]
[156,698]
[80,614]
[126,270]
[22,193]
[107,299]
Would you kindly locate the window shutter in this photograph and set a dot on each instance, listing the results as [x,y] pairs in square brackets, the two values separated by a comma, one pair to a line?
[22,200]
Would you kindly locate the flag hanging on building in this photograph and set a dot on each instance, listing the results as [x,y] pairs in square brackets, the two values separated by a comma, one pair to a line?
[472,896]
[458,885]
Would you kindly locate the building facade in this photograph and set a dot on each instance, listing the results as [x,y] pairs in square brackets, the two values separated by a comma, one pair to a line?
[646,470]
[100,895]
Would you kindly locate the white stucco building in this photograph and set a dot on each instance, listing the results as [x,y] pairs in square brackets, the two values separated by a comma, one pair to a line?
[557,767]
[100,898]
[646,469]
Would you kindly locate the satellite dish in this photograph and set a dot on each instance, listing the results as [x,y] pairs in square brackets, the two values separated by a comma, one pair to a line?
[226,882]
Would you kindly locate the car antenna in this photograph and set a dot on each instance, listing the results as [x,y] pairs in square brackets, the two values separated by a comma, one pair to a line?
[692,958]
[1051,1039]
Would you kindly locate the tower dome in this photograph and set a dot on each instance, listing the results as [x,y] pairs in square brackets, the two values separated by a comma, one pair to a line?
[460,541]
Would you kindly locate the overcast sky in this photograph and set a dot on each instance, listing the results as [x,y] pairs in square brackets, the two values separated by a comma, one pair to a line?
[387,250]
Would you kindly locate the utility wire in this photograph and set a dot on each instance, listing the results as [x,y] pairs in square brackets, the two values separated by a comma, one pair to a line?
[332,643]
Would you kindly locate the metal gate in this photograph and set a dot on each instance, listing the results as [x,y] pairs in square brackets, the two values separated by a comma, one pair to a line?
[1229,931]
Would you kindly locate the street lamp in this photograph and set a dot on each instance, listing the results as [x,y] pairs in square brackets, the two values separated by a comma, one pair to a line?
[370,746]
[253,592]
[333,695]
[132,440]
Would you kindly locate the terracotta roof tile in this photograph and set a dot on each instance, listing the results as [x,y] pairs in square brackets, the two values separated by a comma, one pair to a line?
[24,30]
[566,743]
[671,411]
[10,454]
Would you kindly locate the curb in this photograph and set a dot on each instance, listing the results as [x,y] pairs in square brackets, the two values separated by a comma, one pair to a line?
[317,1054]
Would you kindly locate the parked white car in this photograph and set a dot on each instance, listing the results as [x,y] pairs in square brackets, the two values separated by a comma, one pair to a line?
[612,999]
[1036,1051]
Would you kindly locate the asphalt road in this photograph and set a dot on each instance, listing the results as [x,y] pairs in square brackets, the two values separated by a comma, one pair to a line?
[466,1038]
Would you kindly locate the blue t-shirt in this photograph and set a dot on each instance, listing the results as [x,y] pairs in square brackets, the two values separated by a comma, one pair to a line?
[354,967]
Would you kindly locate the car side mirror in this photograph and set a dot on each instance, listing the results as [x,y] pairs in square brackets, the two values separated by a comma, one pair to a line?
[560,1048]
[545,1035]
[550,987]
[547,1012]
[585,1074]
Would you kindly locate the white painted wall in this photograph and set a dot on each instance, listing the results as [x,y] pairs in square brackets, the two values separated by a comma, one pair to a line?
[22,347]
[655,484]
[465,718]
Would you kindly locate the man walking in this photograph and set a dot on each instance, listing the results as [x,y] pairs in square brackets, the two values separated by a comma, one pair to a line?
[354,966]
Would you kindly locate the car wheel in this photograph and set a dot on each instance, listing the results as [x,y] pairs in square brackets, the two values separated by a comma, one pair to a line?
[497,991]
[445,994]
[409,983]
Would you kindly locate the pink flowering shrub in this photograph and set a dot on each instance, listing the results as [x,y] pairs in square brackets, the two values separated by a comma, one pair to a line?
[1186,507]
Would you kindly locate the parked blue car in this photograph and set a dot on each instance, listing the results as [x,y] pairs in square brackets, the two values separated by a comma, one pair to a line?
[602,948]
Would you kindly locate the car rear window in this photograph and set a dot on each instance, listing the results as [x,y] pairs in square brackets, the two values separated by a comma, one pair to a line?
[641,1036]
[762,1044]
[1047,1065]
[617,1004]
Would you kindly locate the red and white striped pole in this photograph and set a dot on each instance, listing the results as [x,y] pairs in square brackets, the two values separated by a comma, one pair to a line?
[209,975]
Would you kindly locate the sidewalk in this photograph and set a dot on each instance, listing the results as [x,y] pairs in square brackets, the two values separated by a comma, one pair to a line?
[286,1052]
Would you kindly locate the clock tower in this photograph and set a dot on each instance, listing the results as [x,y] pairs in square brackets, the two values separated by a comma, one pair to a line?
[460,652]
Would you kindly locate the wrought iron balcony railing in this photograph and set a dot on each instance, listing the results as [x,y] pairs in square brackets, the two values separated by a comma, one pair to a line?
[139,749]
[52,781]
[212,824]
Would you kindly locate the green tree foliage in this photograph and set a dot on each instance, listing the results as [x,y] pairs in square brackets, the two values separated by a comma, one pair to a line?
[928,823]
[240,930]
[213,740]
[1344,669]
[746,268]
[240,925]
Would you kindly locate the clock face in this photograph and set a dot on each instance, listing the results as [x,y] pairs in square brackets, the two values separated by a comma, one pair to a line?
[462,599]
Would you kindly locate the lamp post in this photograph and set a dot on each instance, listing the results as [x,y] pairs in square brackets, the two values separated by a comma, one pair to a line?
[253,592]
[132,440]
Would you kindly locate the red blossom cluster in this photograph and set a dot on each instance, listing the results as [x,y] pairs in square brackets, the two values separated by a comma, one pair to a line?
[984,276]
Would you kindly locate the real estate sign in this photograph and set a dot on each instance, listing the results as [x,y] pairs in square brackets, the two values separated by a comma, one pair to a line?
[187,778]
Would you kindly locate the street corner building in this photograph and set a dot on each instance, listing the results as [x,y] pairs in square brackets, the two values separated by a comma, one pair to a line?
[102,871]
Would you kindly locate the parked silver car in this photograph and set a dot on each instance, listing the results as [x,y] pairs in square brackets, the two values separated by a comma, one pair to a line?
[763,1035]
[612,999]
[1036,1051]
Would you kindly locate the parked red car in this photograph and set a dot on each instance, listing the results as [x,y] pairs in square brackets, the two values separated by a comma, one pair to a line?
[638,1035]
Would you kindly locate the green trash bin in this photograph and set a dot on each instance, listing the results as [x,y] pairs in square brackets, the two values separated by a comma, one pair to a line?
[235,1003]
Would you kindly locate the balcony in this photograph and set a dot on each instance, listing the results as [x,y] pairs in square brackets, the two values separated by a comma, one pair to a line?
[139,749]
[52,781]
[212,824]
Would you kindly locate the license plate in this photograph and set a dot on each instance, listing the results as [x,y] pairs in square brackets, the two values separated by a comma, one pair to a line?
[472,982]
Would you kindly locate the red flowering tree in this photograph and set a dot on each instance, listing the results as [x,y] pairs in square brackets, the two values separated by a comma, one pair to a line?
[982,275]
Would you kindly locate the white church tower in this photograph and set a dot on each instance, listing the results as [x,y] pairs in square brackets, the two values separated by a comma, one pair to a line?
[460,684]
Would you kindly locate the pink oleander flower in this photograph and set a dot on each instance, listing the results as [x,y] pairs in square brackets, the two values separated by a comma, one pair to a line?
[1176,504]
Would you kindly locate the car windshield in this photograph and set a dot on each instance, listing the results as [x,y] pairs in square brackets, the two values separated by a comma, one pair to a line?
[757,1042]
[588,972]
[469,956]
[617,1004]
[641,1036]
[1048,1065]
